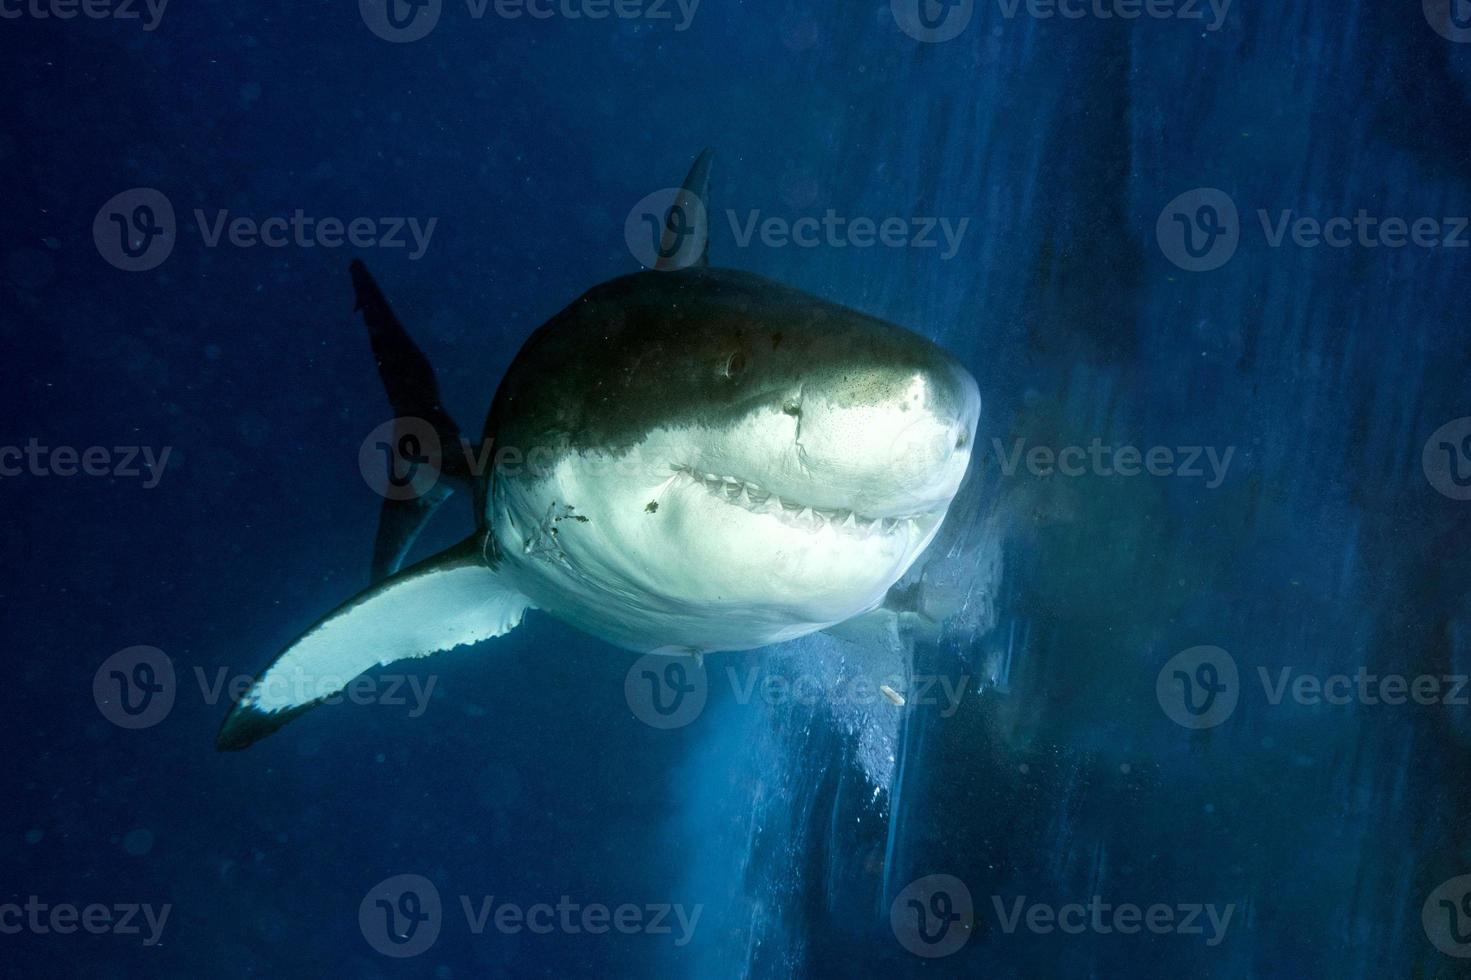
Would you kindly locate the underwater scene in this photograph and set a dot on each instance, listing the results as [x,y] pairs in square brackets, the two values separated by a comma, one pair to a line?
[736,489]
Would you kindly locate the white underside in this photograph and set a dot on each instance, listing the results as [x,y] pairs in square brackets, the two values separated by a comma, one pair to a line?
[714,564]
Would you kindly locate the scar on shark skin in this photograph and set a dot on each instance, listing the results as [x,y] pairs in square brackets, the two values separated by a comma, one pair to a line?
[544,542]
[576,517]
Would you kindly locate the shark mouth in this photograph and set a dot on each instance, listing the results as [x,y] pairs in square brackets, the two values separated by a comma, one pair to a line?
[753,497]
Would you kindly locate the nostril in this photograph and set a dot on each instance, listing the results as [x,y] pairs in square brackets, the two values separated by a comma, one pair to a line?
[963,439]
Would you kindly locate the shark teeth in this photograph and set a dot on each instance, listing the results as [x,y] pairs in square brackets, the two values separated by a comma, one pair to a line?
[759,500]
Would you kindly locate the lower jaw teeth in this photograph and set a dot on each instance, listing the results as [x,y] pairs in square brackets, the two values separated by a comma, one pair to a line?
[761,501]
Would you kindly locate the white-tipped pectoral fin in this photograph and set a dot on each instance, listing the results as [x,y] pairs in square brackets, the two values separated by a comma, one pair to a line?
[447,601]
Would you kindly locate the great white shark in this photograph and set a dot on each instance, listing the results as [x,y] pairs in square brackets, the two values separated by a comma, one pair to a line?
[706,460]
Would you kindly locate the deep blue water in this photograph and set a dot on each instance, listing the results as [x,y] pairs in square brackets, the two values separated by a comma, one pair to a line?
[1334,835]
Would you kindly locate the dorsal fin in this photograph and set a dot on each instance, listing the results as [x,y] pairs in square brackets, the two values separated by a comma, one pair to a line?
[414,394]
[697,185]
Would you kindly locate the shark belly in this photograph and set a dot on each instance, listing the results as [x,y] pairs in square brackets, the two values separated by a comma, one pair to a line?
[703,576]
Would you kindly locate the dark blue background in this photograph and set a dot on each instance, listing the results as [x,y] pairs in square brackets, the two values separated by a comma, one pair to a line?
[1325,549]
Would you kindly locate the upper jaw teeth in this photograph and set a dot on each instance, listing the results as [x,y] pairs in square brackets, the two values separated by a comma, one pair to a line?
[755,498]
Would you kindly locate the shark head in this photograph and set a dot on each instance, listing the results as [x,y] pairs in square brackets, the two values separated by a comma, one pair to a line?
[711,460]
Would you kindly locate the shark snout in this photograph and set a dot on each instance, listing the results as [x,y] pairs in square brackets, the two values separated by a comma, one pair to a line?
[891,445]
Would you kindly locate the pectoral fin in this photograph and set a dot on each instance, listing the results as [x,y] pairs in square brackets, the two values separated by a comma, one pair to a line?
[447,601]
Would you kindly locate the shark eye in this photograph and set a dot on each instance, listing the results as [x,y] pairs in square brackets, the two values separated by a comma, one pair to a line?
[734,367]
